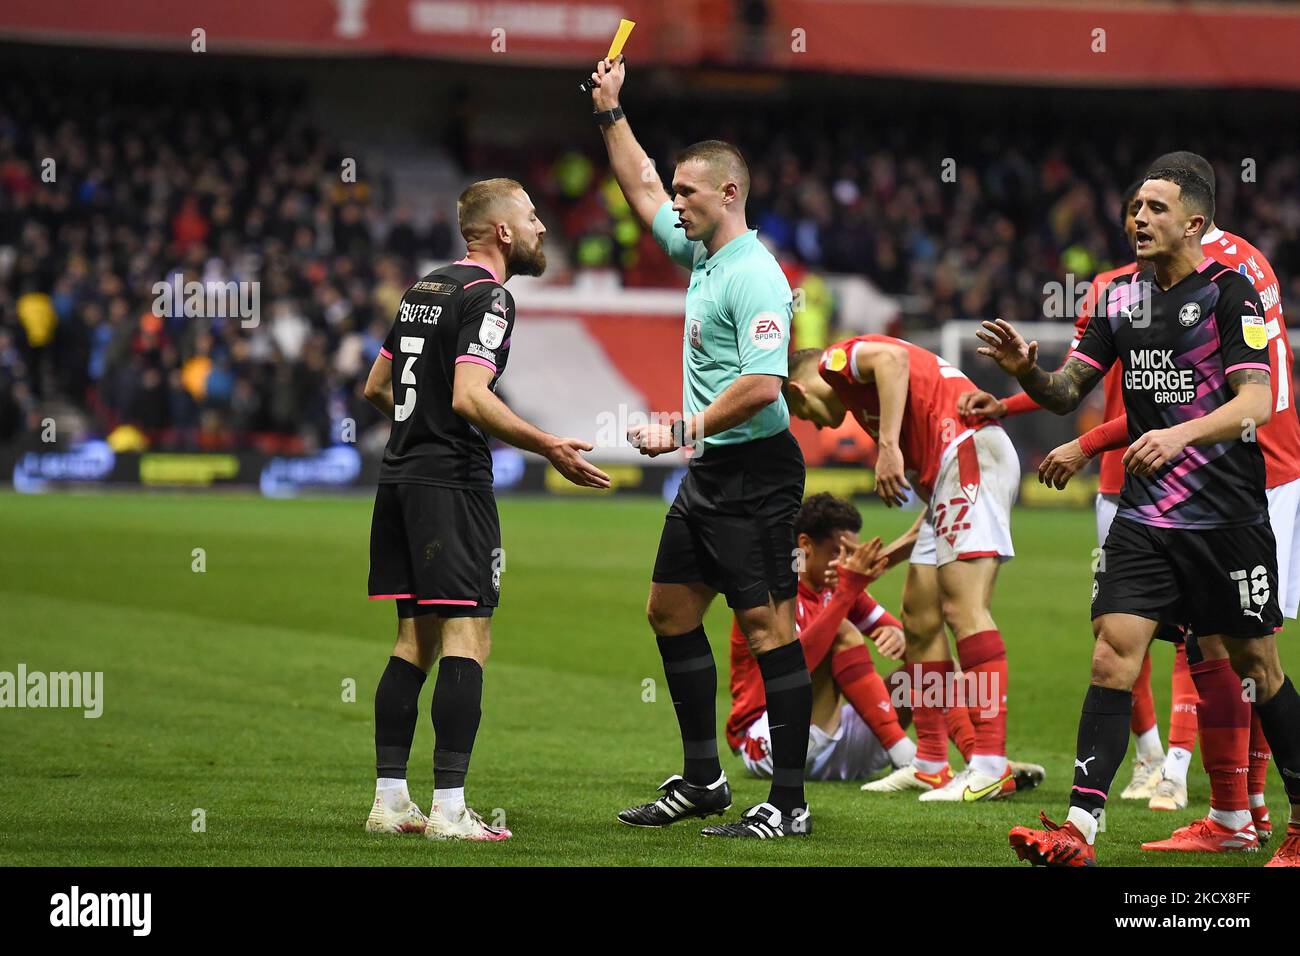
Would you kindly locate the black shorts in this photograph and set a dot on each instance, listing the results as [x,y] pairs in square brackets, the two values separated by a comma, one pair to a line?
[1217,581]
[731,526]
[436,550]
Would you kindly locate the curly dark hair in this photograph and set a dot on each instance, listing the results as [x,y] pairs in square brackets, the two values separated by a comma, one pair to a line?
[822,514]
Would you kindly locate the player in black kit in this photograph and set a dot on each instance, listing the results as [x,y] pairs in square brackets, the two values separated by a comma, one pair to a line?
[435,545]
[1191,544]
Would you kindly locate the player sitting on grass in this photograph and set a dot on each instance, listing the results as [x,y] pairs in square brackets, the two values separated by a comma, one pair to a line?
[855,730]
[968,473]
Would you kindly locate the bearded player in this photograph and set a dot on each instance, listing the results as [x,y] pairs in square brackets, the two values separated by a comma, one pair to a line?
[435,541]
[968,474]
[1191,543]
[855,730]
[1234,749]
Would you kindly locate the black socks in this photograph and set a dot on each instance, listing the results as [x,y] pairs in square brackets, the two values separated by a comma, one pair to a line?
[397,707]
[1280,718]
[693,684]
[789,711]
[1102,744]
[457,699]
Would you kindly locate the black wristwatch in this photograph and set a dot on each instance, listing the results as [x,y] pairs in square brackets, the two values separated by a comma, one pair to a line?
[679,432]
[608,117]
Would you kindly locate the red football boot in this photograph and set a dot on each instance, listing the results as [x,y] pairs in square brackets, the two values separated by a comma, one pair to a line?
[1057,845]
[1208,836]
[1288,853]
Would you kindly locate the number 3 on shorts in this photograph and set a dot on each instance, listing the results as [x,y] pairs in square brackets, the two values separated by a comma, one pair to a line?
[412,346]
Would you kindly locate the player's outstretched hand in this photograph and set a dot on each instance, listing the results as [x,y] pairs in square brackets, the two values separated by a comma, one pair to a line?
[865,558]
[980,404]
[1007,347]
[1061,464]
[889,640]
[566,455]
[1153,451]
[651,439]
[891,484]
[606,82]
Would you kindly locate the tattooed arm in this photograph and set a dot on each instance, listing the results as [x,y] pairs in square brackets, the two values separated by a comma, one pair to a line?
[1059,392]
[1235,420]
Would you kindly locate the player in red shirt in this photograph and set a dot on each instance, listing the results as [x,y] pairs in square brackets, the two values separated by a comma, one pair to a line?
[968,474]
[855,729]
[1234,749]
[1159,778]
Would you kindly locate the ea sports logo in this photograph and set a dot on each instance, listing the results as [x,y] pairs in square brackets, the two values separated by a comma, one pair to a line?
[766,332]
[1189,314]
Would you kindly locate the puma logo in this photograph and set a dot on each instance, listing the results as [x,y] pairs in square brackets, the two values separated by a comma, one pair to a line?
[1255,614]
[1083,764]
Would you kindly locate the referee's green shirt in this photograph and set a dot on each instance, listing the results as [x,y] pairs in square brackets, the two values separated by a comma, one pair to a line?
[738,311]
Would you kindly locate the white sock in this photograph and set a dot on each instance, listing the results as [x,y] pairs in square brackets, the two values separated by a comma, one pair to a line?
[1256,800]
[928,766]
[1232,819]
[1084,822]
[393,792]
[903,752]
[991,765]
[1176,764]
[1148,745]
[450,802]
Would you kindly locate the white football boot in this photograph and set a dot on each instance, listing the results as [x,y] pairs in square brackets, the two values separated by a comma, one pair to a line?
[971,785]
[909,778]
[383,819]
[468,826]
[1146,775]
[1168,795]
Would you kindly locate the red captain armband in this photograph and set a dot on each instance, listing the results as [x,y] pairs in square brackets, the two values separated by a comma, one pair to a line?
[1108,436]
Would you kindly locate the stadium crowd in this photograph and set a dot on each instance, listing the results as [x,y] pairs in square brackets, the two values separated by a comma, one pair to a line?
[220,184]
[962,214]
[105,192]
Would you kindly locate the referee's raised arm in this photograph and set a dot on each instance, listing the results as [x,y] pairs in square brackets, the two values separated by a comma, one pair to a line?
[632,167]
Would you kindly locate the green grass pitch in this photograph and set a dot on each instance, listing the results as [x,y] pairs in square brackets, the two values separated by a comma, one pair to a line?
[224,692]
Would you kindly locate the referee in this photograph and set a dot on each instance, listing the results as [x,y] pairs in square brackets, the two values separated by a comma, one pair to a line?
[731,528]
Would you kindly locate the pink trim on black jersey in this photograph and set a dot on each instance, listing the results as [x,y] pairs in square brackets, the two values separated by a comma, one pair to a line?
[385,353]
[1084,358]
[448,601]
[477,281]
[476,360]
[384,597]
[1233,368]
[470,262]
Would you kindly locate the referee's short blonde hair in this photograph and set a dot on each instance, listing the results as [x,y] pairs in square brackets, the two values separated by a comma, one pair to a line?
[723,159]
[479,205]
